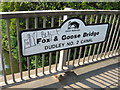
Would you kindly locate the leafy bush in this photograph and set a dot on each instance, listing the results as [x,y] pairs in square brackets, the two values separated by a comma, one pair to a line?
[29,6]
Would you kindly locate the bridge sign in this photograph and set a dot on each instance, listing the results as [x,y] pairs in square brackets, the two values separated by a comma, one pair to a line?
[72,33]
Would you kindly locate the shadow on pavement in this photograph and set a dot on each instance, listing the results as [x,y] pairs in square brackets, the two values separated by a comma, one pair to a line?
[106,77]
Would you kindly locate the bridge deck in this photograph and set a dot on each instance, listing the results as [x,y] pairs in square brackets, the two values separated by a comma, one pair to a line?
[103,74]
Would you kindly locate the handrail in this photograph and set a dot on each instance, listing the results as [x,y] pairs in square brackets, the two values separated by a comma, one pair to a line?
[17,14]
[71,58]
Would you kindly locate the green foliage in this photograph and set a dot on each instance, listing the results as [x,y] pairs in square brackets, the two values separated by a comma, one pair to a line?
[30,6]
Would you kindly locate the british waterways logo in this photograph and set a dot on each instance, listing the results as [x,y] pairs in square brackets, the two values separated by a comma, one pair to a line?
[73,26]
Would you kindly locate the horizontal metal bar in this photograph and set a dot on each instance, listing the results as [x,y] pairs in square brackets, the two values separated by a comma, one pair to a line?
[18,14]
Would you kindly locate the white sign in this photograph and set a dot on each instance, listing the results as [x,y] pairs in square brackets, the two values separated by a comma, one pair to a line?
[72,33]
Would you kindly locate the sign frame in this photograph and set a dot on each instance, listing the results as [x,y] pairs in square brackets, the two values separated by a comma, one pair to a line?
[38,29]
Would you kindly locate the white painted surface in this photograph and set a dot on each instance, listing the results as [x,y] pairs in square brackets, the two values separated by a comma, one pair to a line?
[33,41]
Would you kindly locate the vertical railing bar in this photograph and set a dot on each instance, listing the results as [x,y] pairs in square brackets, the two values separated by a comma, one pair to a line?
[80,47]
[85,46]
[118,44]
[43,58]
[113,22]
[90,45]
[43,55]
[101,18]
[1,59]
[36,57]
[91,19]
[75,50]
[20,61]
[50,61]
[36,65]
[63,54]
[116,39]
[69,51]
[99,45]
[3,69]
[95,44]
[52,21]
[28,59]
[84,53]
[66,54]
[60,18]
[27,23]
[57,52]
[50,54]
[119,49]
[56,63]
[113,35]
[79,55]
[9,46]
[105,41]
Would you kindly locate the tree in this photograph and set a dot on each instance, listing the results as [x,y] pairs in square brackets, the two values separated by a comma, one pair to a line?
[30,6]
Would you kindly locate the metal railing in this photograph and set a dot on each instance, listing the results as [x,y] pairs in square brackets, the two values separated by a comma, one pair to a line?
[73,57]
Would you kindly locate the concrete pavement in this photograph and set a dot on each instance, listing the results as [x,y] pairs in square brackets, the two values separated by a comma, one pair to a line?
[105,74]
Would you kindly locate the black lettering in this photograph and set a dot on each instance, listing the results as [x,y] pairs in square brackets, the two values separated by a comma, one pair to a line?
[43,41]
[75,36]
[68,37]
[55,38]
[85,34]
[63,37]
[70,43]
[77,42]
[79,35]
[46,47]
[81,41]
[71,36]
[48,40]
[86,40]
[38,40]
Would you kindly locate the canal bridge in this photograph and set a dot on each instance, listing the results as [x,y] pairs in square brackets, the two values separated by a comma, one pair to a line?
[89,66]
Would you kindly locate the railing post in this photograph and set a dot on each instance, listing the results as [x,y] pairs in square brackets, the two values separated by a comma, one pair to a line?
[1,58]
[0,40]
[10,49]
[63,53]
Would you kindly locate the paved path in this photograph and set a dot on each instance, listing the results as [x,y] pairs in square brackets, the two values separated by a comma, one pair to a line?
[100,77]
